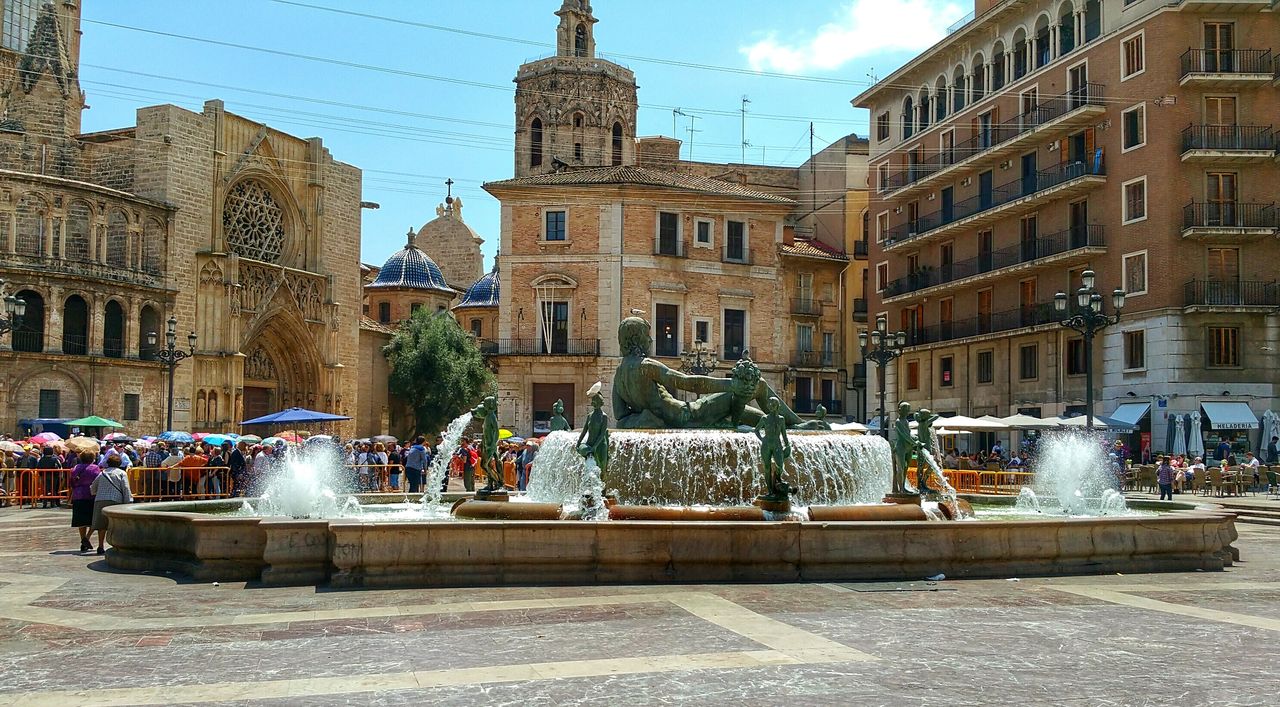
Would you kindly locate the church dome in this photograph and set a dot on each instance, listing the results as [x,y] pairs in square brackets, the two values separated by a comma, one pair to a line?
[482,293]
[410,268]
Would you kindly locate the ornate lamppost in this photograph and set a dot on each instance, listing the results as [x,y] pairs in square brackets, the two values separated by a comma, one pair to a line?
[885,347]
[1089,320]
[171,355]
[701,361]
[15,308]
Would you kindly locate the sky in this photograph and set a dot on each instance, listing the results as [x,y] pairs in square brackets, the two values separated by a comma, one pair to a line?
[419,91]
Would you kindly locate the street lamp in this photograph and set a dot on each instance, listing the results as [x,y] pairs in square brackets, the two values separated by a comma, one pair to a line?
[15,308]
[884,348]
[1089,320]
[701,361]
[170,355]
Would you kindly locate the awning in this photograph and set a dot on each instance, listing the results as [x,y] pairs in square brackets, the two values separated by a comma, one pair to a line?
[1230,416]
[1130,413]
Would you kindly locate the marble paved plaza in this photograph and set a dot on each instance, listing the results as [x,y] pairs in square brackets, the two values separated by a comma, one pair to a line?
[74,633]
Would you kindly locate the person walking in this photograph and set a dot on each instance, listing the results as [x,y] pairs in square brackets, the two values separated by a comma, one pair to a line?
[415,462]
[1164,477]
[82,477]
[110,488]
[524,464]
[394,467]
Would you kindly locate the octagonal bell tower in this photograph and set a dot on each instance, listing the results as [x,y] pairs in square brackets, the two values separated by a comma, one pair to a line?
[573,109]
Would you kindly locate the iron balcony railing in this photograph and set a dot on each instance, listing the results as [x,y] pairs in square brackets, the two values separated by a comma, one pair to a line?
[540,347]
[814,359]
[1228,214]
[1226,61]
[1026,185]
[860,309]
[802,406]
[113,348]
[806,306]
[75,344]
[991,136]
[860,249]
[993,323]
[28,341]
[149,276]
[860,374]
[1231,293]
[1025,252]
[1228,137]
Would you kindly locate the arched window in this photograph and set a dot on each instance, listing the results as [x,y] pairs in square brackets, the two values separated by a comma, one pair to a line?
[978,78]
[1092,20]
[866,224]
[999,70]
[30,336]
[578,122]
[535,143]
[617,144]
[1042,48]
[117,239]
[925,110]
[958,92]
[253,222]
[908,117]
[1066,28]
[940,99]
[384,312]
[580,40]
[1019,54]
[78,231]
[113,331]
[149,322]
[75,326]
[153,246]
[31,234]
[477,328]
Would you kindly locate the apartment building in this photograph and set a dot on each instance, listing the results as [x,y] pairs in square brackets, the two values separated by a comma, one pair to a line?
[1037,140]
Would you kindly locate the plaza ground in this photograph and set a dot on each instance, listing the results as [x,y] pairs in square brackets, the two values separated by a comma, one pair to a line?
[73,632]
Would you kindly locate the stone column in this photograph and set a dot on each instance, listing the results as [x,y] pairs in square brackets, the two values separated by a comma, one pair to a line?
[53,310]
[47,247]
[11,218]
[97,320]
[132,328]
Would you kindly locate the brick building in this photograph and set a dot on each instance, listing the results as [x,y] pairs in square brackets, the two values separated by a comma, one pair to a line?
[1037,140]
[237,230]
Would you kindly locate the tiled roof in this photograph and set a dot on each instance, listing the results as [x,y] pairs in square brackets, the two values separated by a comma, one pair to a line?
[482,293]
[643,177]
[410,268]
[367,323]
[813,249]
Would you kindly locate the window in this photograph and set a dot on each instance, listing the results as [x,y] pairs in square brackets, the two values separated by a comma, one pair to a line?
[702,232]
[667,330]
[1135,350]
[882,226]
[477,328]
[1076,363]
[1029,362]
[413,308]
[555,327]
[735,333]
[1135,273]
[132,404]
[577,151]
[668,233]
[913,375]
[535,143]
[617,144]
[946,366]
[986,366]
[19,20]
[804,338]
[882,127]
[384,312]
[908,118]
[736,241]
[1135,200]
[1135,127]
[702,330]
[49,402]
[882,276]
[1133,60]
[882,176]
[1224,350]
[556,226]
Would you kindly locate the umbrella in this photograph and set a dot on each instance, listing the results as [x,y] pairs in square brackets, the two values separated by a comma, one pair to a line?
[290,437]
[1028,422]
[1195,443]
[217,440]
[273,441]
[385,439]
[176,436]
[1099,423]
[251,439]
[515,440]
[117,435]
[83,444]
[294,415]
[848,426]
[1269,424]
[10,446]
[505,434]
[1179,434]
[960,422]
[93,421]
[44,438]
[119,439]
[320,438]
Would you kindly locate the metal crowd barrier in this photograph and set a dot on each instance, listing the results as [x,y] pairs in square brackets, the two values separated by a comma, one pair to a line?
[32,486]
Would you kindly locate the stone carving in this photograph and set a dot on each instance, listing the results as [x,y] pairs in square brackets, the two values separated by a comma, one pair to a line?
[259,366]
[210,274]
[253,222]
[775,449]
[44,53]
[259,284]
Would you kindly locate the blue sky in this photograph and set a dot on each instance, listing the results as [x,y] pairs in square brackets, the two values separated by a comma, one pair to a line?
[428,104]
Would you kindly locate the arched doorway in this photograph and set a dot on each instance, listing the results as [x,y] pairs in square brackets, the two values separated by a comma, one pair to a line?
[148,322]
[30,336]
[282,368]
[75,326]
[113,331]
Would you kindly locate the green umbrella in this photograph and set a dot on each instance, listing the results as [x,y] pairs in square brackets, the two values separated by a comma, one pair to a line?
[93,421]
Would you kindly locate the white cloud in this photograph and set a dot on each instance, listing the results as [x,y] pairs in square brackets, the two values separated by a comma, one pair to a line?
[863,28]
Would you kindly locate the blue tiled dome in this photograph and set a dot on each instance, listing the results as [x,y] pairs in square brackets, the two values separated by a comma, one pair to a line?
[410,268]
[482,293]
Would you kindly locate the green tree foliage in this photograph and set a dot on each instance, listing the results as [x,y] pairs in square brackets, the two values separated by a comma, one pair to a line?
[436,369]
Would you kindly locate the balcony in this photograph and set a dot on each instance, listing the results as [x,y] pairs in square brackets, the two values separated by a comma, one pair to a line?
[1209,295]
[538,347]
[808,406]
[1228,144]
[1051,116]
[1226,68]
[806,307]
[75,344]
[860,309]
[149,276]
[981,325]
[860,249]
[1023,194]
[1087,240]
[1228,220]
[1225,5]
[814,359]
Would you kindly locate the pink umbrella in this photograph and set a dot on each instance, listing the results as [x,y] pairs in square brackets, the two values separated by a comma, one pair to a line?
[197,436]
[115,435]
[44,438]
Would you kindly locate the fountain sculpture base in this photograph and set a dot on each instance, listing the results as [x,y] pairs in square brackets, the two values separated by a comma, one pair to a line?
[910,499]
[772,505]
[497,496]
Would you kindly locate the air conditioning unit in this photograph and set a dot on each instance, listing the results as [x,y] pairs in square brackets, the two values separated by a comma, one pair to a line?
[1053,146]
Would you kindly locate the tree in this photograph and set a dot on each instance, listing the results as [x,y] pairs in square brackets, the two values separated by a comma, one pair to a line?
[437,369]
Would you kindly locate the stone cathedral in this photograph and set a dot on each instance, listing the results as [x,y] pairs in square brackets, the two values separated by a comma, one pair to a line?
[242,233]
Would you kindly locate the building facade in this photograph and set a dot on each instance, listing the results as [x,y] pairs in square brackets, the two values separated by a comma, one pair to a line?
[1043,139]
[235,229]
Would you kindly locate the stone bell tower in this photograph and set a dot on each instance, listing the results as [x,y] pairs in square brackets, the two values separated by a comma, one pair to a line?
[39,69]
[574,110]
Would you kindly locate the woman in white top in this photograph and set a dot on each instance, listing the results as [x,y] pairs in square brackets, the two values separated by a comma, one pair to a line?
[110,488]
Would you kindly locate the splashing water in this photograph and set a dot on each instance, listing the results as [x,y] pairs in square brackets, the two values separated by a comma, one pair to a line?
[947,492]
[1028,501]
[714,467]
[1074,468]
[305,483]
[439,467]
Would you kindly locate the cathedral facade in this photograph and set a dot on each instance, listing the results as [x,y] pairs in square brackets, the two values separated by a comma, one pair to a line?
[241,233]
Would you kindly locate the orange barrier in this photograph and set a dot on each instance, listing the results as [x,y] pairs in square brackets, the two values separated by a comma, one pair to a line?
[1004,482]
[34,486]
[963,480]
[376,477]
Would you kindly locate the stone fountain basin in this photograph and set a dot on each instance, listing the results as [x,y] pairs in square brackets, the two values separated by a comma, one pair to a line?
[189,539]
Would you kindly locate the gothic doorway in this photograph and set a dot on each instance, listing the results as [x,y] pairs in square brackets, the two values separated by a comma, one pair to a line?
[257,401]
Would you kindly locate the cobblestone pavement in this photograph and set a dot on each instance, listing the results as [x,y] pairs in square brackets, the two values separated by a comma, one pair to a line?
[74,633]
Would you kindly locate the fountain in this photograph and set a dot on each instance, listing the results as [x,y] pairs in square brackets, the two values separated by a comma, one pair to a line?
[614,506]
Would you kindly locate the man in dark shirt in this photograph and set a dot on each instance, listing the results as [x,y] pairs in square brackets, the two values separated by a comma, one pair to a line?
[1223,450]
[1273,451]
[236,462]
[50,482]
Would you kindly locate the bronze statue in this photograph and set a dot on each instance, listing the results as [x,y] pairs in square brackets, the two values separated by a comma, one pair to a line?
[924,448]
[904,445]
[596,435]
[643,388]
[775,449]
[488,410]
[558,423]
